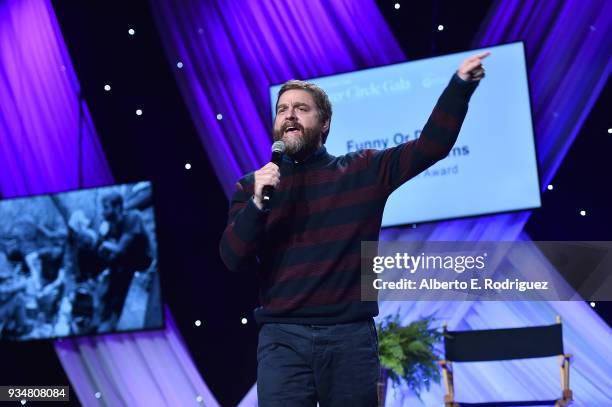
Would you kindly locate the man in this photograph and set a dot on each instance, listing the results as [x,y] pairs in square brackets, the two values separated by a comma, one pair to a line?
[318,340]
[125,248]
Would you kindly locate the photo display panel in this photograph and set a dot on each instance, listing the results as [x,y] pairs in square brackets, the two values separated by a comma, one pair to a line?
[79,263]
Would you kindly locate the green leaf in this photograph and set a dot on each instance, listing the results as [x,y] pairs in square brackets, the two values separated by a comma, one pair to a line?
[409,352]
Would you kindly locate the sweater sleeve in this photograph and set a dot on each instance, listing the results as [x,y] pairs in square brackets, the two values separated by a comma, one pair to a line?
[397,165]
[243,234]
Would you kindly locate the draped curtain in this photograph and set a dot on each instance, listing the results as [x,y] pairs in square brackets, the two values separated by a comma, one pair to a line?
[40,123]
[233,50]
[48,143]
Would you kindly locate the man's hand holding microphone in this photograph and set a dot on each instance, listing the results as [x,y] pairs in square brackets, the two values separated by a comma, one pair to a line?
[268,177]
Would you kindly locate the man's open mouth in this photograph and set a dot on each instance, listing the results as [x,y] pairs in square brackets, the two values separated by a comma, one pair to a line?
[291,130]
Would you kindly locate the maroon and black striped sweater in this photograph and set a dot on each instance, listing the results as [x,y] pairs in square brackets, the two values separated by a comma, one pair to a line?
[307,246]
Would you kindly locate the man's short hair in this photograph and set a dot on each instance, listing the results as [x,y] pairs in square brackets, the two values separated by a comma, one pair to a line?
[113,198]
[320,97]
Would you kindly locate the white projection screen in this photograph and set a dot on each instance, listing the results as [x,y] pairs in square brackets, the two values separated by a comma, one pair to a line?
[493,165]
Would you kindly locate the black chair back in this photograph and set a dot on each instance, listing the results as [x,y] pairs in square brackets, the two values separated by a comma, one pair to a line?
[504,344]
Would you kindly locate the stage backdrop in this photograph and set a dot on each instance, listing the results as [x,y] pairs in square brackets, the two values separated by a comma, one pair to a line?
[232,52]
[40,152]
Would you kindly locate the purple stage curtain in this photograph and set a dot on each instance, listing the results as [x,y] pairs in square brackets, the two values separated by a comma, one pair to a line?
[568,49]
[233,50]
[39,153]
[39,108]
[134,369]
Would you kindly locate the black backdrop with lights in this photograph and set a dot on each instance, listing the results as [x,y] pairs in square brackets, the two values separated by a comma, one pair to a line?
[192,208]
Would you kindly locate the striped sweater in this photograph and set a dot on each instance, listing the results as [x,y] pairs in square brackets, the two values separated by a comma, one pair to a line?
[306,247]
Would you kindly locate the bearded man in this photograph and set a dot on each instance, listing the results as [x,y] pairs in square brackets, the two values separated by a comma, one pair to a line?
[318,340]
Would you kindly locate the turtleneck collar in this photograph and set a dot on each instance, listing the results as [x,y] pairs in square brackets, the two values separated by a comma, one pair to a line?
[320,155]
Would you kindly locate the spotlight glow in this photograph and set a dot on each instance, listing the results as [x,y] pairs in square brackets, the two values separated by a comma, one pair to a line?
[131,31]
[610,130]
[397,6]
[440,27]
[98,395]
[138,112]
[198,322]
[179,64]
[199,399]
[582,213]
[107,87]
[592,304]
[188,167]
[219,116]
[244,321]
[550,187]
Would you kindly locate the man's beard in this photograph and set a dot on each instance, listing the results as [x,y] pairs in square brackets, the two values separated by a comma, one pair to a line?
[302,145]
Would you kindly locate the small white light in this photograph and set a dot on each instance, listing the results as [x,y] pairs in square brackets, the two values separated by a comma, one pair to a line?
[131,31]
[138,112]
[219,116]
[188,167]
[582,213]
[550,187]
[23,402]
[440,27]
[397,6]
[179,64]
[610,130]
[107,87]
[199,399]
[244,321]
[198,322]
[592,304]
[98,395]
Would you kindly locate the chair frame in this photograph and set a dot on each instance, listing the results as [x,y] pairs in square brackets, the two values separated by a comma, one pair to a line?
[564,360]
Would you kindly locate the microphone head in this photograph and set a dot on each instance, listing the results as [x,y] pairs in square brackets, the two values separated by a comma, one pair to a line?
[278,147]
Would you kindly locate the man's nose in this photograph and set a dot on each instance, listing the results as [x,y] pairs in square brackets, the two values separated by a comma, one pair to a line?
[290,114]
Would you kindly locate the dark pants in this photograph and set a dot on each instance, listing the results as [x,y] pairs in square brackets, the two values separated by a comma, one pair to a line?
[336,365]
[119,282]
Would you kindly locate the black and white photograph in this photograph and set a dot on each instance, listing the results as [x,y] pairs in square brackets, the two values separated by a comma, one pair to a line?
[77,263]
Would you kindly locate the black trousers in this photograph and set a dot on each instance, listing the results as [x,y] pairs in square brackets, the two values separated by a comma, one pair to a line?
[118,287]
[335,365]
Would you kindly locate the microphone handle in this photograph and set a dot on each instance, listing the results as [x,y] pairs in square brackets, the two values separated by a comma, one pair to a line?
[268,190]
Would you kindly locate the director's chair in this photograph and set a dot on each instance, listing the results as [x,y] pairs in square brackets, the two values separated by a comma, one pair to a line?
[505,344]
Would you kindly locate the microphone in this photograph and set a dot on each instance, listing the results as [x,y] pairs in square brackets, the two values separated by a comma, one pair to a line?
[278,149]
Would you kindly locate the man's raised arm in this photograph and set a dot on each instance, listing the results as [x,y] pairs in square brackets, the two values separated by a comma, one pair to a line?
[397,165]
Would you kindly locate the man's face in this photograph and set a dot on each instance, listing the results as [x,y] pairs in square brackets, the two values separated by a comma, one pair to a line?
[111,212]
[297,122]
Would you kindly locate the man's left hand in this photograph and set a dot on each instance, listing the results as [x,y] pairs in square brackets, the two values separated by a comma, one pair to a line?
[472,69]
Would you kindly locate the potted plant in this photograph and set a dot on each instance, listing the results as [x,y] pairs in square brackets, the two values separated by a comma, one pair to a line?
[407,354]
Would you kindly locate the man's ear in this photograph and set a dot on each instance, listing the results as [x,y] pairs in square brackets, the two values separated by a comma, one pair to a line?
[325,126]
